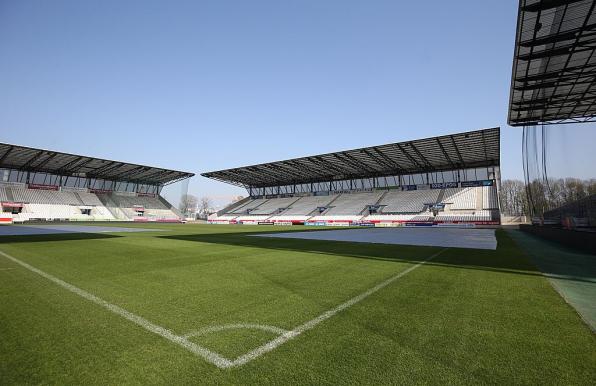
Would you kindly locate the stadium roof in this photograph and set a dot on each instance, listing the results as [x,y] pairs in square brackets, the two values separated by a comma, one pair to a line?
[449,152]
[53,162]
[554,66]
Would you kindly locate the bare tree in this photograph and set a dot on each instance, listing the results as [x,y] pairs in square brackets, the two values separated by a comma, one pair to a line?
[188,204]
[541,195]
[513,199]
[205,207]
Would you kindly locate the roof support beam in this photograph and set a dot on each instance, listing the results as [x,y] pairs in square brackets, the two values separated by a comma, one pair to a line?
[445,154]
[557,37]
[37,155]
[136,171]
[305,170]
[82,165]
[383,161]
[357,166]
[554,66]
[46,160]
[5,155]
[544,5]
[69,164]
[422,157]
[101,171]
[412,159]
[363,165]
[283,167]
[328,165]
[461,159]
[565,74]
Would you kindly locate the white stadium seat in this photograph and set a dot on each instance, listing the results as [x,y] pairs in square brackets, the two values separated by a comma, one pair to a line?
[397,201]
[472,204]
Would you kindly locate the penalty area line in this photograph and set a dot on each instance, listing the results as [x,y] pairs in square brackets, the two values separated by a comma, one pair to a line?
[204,353]
[285,337]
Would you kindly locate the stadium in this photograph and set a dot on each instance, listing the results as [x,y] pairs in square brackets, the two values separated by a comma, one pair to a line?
[435,181]
[410,262]
[43,185]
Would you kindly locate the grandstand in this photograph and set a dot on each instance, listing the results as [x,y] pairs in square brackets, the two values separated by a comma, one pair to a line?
[43,185]
[450,179]
[551,95]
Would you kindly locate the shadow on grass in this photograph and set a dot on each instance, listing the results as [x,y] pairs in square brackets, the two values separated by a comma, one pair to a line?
[55,237]
[507,258]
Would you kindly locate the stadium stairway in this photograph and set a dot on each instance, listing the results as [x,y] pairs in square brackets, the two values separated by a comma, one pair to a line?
[170,206]
[441,195]
[261,204]
[329,205]
[479,201]
[332,201]
[233,206]
[377,202]
[9,194]
[112,207]
[76,194]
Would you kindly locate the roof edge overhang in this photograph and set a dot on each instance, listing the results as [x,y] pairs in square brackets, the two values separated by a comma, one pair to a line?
[75,165]
[553,73]
[280,173]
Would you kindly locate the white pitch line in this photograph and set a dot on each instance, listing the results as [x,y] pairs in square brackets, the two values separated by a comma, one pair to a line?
[204,353]
[272,345]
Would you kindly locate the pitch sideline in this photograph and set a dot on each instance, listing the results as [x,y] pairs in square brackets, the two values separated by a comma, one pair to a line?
[208,355]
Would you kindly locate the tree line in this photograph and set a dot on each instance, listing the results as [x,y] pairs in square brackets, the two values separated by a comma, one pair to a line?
[516,200]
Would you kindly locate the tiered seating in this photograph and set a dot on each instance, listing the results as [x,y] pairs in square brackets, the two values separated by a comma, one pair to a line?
[112,207]
[57,205]
[489,198]
[249,206]
[397,201]
[89,198]
[273,205]
[20,194]
[461,198]
[69,204]
[153,207]
[303,209]
[54,212]
[352,204]
[480,215]
[38,196]
[100,212]
[473,204]
[307,205]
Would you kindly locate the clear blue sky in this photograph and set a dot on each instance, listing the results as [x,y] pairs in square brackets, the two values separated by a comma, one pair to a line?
[206,85]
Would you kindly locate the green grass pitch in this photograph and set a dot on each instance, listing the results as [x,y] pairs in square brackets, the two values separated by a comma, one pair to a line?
[466,316]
